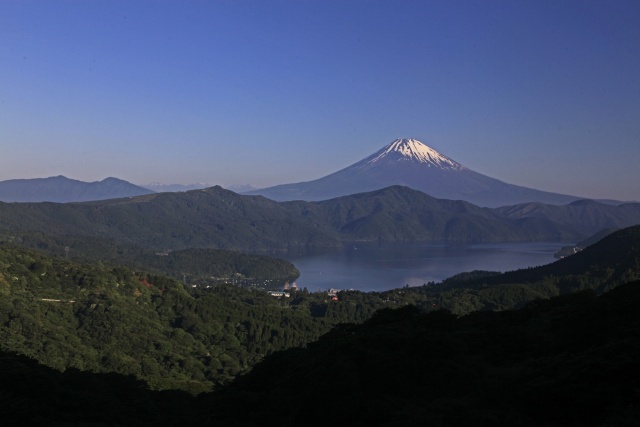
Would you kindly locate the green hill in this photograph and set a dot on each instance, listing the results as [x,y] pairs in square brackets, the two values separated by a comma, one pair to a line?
[113,319]
[585,216]
[217,218]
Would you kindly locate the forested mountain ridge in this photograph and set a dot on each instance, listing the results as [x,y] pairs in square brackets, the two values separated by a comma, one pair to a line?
[402,214]
[584,215]
[218,218]
[212,217]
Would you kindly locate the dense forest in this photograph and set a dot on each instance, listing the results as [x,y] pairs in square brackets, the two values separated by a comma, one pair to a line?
[89,321]
[571,360]
[221,219]
[113,319]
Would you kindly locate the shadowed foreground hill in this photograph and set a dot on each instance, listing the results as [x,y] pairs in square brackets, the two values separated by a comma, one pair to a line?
[572,360]
[35,395]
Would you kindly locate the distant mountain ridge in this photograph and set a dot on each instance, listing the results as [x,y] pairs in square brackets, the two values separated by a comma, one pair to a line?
[61,189]
[411,163]
[158,187]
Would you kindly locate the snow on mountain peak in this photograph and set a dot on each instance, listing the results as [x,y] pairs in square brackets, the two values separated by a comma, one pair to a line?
[412,149]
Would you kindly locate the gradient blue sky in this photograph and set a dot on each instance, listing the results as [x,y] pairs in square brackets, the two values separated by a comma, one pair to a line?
[539,93]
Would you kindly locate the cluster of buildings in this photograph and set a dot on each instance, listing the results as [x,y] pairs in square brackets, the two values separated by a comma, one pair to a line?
[286,290]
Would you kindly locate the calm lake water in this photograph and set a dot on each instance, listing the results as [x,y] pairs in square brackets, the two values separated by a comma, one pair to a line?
[375,267]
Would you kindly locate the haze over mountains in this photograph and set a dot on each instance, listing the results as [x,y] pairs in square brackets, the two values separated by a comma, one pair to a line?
[158,187]
[406,162]
[411,163]
[61,189]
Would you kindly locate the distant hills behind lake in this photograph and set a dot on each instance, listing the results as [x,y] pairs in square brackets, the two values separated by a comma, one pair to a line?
[218,218]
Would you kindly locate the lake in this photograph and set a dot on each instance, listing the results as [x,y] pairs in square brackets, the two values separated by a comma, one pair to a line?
[380,267]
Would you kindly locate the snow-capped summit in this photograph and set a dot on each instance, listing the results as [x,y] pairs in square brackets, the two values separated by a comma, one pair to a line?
[412,150]
[411,163]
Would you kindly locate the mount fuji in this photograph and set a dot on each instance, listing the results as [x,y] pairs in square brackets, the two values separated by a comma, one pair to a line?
[411,163]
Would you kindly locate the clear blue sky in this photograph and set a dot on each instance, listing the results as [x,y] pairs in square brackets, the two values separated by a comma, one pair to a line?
[539,93]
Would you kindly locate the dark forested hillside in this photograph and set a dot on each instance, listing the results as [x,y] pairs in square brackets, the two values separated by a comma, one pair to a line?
[217,218]
[573,360]
[214,218]
[219,264]
[32,394]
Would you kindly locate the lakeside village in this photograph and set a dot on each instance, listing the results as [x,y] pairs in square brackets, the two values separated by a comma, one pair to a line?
[287,289]
[239,280]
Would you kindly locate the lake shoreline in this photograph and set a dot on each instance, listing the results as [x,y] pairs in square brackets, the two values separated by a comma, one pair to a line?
[383,266]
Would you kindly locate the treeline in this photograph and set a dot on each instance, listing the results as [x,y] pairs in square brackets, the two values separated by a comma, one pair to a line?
[195,264]
[218,263]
